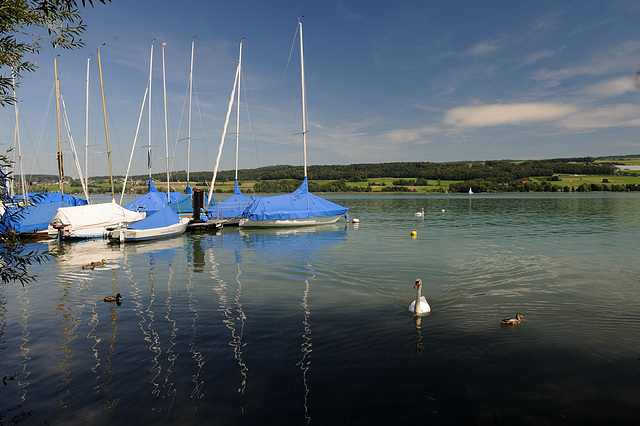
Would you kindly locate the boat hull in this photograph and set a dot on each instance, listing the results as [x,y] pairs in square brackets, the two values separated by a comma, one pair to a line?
[125,234]
[282,223]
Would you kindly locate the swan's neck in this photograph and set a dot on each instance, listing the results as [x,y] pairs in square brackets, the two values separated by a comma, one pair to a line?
[418,295]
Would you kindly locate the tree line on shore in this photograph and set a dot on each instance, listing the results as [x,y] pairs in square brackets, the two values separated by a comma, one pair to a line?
[486,176]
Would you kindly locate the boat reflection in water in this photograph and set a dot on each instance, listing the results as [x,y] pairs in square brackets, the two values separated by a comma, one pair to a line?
[184,337]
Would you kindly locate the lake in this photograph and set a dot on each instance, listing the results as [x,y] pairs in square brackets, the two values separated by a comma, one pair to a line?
[310,326]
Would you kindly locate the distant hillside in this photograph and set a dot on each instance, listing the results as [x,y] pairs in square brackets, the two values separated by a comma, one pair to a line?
[497,171]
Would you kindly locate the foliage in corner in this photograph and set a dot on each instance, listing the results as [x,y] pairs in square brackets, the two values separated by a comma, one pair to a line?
[25,25]
[15,257]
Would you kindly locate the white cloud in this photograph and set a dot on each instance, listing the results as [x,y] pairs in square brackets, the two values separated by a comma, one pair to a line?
[485,47]
[499,114]
[408,135]
[543,54]
[605,117]
[612,87]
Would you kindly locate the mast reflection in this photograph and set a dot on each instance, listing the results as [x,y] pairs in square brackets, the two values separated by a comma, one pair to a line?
[306,349]
[23,376]
[234,319]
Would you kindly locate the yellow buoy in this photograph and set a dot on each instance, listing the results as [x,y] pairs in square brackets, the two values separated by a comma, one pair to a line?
[414,234]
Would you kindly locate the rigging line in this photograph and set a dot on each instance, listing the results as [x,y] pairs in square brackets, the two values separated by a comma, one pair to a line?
[199,106]
[295,36]
[33,164]
[250,116]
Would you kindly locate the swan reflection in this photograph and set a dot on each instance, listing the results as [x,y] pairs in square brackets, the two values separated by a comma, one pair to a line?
[417,321]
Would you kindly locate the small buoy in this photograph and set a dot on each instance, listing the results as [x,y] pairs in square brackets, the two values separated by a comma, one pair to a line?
[356,220]
[443,210]
[414,234]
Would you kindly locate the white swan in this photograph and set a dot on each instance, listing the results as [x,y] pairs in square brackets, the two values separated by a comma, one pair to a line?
[420,213]
[420,305]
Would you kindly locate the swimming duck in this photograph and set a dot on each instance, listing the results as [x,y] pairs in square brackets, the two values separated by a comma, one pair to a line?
[115,298]
[420,305]
[510,321]
[101,263]
[89,266]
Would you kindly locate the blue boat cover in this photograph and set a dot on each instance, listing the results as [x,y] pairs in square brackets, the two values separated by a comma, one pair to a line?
[185,205]
[161,218]
[39,213]
[152,201]
[300,204]
[234,206]
[51,197]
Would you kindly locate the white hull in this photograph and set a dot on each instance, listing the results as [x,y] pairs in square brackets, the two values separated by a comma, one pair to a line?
[91,221]
[281,223]
[125,234]
[83,234]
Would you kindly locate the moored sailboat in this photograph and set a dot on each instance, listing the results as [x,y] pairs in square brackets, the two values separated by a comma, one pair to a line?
[300,208]
[29,214]
[162,224]
[91,221]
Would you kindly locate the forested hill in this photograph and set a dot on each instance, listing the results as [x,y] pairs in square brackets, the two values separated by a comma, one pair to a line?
[496,171]
[503,171]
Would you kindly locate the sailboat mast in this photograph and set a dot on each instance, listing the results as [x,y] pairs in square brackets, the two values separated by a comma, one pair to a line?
[86,127]
[60,166]
[224,133]
[304,102]
[193,42]
[17,143]
[166,134]
[238,107]
[106,132]
[149,86]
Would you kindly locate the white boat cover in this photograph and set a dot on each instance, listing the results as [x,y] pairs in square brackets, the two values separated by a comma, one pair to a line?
[92,219]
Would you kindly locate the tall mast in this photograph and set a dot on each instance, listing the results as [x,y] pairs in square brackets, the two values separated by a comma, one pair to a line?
[60,165]
[238,106]
[189,125]
[149,85]
[224,133]
[304,103]
[17,142]
[166,134]
[86,127]
[106,132]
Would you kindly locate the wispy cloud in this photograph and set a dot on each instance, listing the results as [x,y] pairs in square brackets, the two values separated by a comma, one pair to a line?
[604,117]
[622,56]
[612,87]
[409,135]
[500,114]
[485,48]
[543,54]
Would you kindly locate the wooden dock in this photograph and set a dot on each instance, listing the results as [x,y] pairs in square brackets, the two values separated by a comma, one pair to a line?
[201,226]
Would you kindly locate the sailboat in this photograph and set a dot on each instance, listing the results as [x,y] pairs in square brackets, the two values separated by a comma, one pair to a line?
[229,210]
[91,221]
[163,222]
[29,214]
[153,200]
[300,208]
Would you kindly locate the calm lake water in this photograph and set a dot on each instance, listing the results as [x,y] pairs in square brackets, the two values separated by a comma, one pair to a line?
[310,326]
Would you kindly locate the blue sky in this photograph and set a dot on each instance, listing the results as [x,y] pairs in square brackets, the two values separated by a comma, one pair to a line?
[386,81]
